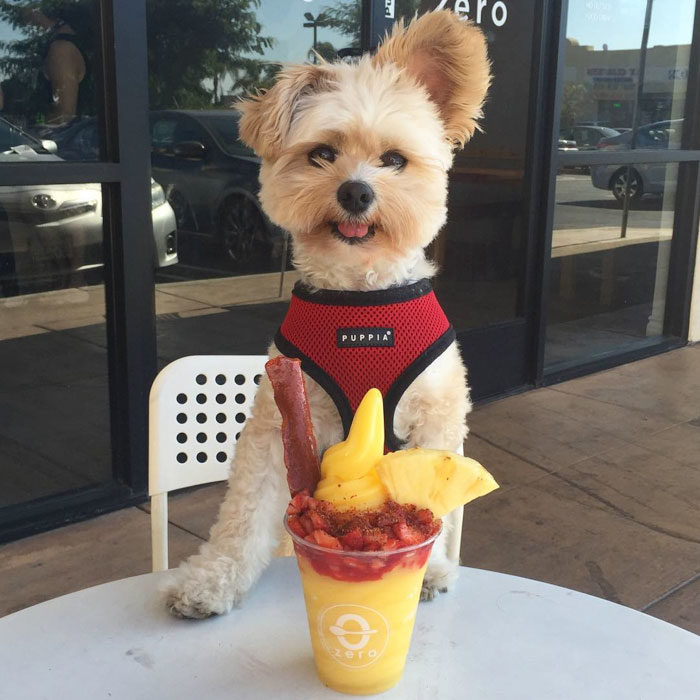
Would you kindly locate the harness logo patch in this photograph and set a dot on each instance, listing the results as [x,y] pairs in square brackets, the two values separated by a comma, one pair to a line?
[366,337]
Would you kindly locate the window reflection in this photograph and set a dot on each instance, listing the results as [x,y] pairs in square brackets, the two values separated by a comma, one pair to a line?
[48,68]
[231,255]
[609,270]
[625,84]
[616,78]
[54,407]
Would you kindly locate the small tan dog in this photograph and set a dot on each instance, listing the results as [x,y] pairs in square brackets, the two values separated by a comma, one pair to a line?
[354,165]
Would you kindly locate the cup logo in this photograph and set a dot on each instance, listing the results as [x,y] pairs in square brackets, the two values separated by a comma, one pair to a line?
[354,635]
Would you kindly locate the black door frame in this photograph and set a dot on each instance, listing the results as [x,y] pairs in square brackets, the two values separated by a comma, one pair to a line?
[515,342]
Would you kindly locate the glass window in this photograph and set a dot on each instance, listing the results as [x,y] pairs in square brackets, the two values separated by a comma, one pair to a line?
[54,395]
[49,78]
[163,134]
[609,267]
[229,291]
[614,222]
[54,405]
[612,80]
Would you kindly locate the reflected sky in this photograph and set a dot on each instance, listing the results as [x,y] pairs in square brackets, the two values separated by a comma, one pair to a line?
[281,19]
[284,19]
[619,23]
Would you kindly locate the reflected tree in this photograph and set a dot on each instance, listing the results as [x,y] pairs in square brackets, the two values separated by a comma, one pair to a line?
[325,50]
[576,99]
[346,17]
[196,52]
[193,47]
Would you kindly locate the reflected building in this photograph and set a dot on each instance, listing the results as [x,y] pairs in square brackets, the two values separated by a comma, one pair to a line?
[608,83]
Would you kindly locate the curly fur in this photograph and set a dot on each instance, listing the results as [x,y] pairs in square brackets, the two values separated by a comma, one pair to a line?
[420,95]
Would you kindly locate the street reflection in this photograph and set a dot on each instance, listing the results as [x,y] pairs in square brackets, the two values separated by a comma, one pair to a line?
[625,85]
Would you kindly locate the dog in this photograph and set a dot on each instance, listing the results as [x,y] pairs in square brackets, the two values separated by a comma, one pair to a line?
[355,160]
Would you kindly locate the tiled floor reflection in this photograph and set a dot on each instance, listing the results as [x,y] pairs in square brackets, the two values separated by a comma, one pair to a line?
[608,272]
[54,411]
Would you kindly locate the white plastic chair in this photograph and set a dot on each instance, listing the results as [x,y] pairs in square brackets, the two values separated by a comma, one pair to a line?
[197,408]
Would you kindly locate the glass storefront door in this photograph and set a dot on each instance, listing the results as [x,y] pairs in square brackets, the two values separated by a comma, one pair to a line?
[54,398]
[616,201]
[82,228]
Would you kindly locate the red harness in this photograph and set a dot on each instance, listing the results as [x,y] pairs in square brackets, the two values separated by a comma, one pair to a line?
[350,342]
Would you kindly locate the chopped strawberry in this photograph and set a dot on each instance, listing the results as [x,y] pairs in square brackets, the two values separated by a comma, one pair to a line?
[301,501]
[407,535]
[318,521]
[391,527]
[323,539]
[352,540]
[374,540]
[424,516]
[306,523]
[295,526]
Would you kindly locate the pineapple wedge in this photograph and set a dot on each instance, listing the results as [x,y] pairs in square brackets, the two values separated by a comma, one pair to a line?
[434,479]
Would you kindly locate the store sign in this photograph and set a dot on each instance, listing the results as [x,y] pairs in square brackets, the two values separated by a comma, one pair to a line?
[601,76]
[479,11]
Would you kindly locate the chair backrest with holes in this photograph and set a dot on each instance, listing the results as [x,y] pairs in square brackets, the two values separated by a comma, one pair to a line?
[197,408]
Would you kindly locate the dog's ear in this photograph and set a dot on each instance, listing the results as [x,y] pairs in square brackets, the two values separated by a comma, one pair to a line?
[267,118]
[448,57]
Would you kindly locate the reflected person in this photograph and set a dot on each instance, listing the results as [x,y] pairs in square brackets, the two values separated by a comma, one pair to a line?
[63,66]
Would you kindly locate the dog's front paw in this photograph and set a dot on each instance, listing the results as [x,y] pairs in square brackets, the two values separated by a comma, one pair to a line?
[181,604]
[439,578]
[197,592]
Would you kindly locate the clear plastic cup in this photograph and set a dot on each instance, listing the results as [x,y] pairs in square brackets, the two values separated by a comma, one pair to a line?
[361,607]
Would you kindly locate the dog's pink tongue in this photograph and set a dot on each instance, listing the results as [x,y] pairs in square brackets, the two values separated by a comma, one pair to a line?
[353,230]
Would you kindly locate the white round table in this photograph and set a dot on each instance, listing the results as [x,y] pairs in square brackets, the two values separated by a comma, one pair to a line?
[494,636]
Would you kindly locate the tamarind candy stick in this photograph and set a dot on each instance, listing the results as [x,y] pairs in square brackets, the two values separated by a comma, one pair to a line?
[298,440]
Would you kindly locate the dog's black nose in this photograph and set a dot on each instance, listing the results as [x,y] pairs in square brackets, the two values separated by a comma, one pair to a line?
[355,197]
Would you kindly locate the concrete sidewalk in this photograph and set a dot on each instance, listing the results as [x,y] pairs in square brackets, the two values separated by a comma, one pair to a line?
[600,487]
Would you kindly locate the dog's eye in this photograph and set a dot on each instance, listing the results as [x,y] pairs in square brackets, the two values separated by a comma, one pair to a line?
[321,153]
[393,159]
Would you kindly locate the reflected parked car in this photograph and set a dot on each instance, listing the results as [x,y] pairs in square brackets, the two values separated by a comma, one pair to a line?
[50,230]
[587,136]
[211,180]
[566,145]
[644,178]
[78,139]
[662,134]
